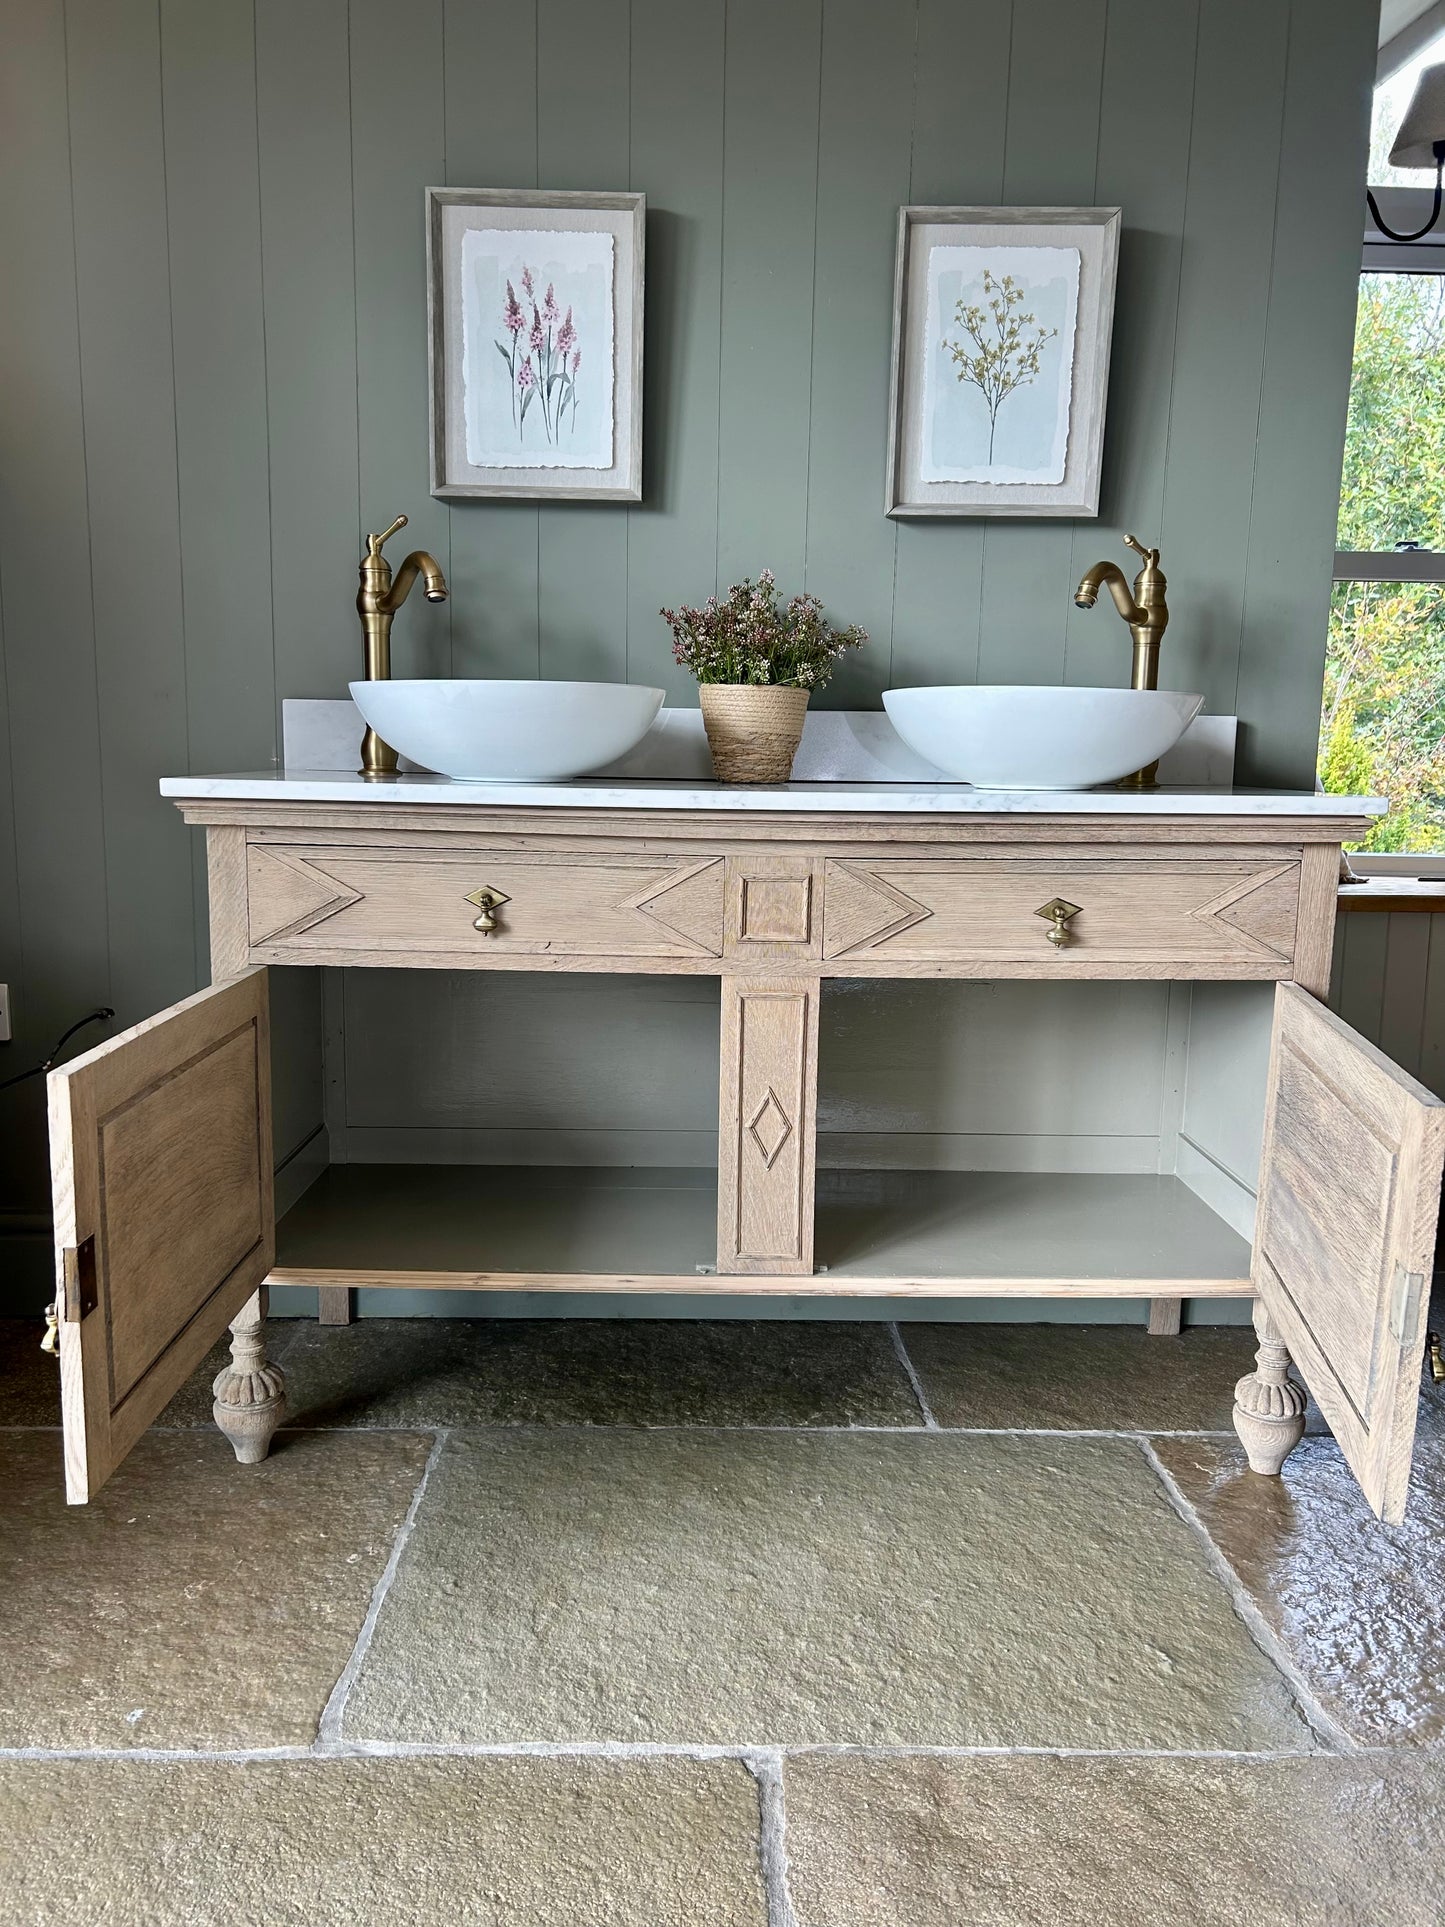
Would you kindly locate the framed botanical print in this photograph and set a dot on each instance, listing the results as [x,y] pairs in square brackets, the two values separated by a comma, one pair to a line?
[534,311]
[1002,318]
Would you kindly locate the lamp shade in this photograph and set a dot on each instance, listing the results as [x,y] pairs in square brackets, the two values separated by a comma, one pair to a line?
[1424,122]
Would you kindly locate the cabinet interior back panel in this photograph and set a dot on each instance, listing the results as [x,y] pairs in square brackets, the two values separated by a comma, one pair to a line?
[1223,1116]
[962,1076]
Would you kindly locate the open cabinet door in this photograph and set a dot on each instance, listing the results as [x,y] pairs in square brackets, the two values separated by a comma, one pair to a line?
[160,1146]
[1344,1242]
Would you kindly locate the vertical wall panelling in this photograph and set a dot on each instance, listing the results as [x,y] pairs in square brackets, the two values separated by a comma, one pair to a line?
[1361,991]
[960,119]
[677,161]
[127,386]
[1219,339]
[309,290]
[865,112]
[1149,57]
[770,201]
[583,96]
[397,146]
[1402,1009]
[213,214]
[490,84]
[1050,160]
[1389,983]
[214,338]
[1302,409]
[45,581]
[213,206]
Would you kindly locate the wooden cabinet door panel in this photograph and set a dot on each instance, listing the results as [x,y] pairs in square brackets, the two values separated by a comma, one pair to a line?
[1232,914]
[164,1220]
[1345,1233]
[417,902]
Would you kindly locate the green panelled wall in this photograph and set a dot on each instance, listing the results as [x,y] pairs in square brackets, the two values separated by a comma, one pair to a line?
[213,354]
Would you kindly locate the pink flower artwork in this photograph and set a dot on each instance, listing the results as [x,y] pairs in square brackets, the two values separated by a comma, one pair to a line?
[547,369]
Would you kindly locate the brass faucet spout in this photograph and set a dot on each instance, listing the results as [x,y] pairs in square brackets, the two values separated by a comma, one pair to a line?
[1108,575]
[377,601]
[1146,611]
[418,563]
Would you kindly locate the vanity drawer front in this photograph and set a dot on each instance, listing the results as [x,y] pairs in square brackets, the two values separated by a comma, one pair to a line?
[1230,914]
[421,902]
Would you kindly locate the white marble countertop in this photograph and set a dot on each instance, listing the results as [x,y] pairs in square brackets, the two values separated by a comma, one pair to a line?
[853,799]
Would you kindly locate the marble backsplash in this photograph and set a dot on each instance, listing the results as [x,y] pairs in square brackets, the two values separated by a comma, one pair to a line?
[839,746]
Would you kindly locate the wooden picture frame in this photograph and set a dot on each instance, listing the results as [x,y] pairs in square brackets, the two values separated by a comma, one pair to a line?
[1002,318]
[530,294]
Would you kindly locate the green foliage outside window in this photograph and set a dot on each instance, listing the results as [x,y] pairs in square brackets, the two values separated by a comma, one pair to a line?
[1383,725]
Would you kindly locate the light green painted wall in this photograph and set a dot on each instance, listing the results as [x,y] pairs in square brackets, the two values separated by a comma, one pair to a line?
[214,379]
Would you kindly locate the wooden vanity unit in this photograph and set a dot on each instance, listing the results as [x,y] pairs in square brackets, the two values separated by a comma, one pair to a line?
[162,1136]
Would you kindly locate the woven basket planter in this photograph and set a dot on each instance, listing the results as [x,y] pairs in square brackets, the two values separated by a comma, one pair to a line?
[753,730]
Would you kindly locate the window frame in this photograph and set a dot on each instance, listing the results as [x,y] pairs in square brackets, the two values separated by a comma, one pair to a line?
[1405,208]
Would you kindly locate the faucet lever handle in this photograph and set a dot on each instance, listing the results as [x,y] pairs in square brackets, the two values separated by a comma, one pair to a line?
[374,542]
[1133,542]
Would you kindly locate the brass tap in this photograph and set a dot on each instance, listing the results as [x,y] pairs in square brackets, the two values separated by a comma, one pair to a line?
[1437,1363]
[1147,613]
[377,601]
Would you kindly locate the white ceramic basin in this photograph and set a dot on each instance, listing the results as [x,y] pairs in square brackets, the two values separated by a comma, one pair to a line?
[1040,739]
[509,732]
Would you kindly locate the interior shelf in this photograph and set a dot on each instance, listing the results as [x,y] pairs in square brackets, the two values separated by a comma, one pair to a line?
[914,1233]
[1030,1232]
[412,1221]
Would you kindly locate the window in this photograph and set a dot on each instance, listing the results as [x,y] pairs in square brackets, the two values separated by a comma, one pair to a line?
[1383,724]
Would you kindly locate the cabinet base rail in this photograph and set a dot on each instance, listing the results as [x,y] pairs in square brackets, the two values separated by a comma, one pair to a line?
[819,1284]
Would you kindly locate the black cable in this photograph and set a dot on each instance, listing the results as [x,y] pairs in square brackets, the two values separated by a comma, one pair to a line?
[1421,232]
[38,1070]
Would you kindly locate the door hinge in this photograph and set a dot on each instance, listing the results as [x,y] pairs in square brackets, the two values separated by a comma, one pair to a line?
[77,1271]
[1407,1295]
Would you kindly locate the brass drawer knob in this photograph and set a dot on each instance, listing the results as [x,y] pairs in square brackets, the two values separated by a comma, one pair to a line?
[488,902]
[1058,915]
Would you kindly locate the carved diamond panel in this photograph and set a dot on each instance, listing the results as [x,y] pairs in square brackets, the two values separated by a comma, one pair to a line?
[769,1128]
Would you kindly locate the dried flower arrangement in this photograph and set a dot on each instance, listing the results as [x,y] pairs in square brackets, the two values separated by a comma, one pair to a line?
[756,660]
[750,637]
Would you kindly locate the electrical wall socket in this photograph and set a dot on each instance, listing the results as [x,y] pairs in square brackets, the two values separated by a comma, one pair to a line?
[4,1013]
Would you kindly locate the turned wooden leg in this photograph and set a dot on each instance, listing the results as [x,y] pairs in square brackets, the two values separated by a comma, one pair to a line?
[250,1392]
[1269,1407]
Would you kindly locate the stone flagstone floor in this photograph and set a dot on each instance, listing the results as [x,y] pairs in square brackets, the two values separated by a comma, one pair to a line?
[610,1624]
